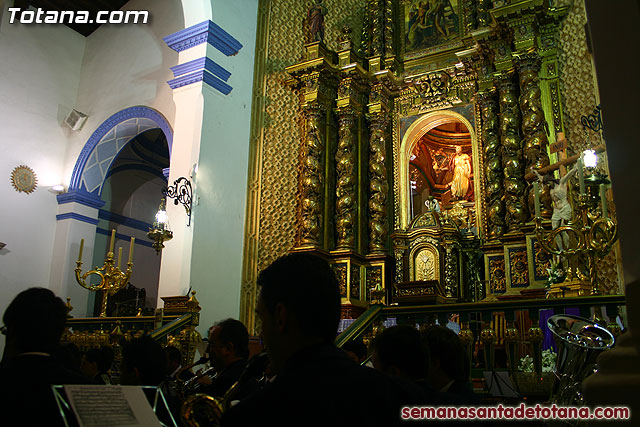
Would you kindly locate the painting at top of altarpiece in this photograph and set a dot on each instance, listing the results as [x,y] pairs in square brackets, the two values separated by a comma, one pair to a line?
[430,26]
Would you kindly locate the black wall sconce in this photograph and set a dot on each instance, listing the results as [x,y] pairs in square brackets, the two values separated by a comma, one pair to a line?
[181,192]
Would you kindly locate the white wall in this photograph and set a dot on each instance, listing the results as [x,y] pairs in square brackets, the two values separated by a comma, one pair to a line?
[39,74]
[125,66]
[218,223]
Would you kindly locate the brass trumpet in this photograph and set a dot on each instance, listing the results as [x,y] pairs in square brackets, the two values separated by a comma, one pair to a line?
[203,410]
[191,385]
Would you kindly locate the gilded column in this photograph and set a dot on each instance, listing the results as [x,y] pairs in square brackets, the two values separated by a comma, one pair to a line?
[378,185]
[494,177]
[512,159]
[388,29]
[534,134]
[346,197]
[311,178]
[483,17]
[376,14]
[469,15]
[451,273]
[533,125]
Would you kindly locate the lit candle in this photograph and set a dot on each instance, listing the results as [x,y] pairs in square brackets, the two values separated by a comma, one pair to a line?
[113,240]
[581,174]
[536,197]
[119,256]
[603,202]
[133,240]
[81,248]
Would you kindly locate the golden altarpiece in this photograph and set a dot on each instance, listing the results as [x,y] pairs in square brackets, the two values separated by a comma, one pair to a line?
[397,138]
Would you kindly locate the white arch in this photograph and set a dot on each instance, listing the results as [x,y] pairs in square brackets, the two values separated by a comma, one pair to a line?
[196,11]
[416,131]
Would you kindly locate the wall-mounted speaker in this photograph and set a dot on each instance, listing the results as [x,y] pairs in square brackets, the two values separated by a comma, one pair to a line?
[75,120]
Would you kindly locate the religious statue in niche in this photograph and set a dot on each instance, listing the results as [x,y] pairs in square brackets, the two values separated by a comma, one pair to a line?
[461,166]
[441,171]
[314,25]
[561,205]
[430,22]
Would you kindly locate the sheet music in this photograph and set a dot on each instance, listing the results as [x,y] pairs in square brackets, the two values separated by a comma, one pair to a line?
[107,405]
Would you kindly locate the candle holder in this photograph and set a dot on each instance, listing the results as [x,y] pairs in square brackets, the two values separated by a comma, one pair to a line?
[112,279]
[589,235]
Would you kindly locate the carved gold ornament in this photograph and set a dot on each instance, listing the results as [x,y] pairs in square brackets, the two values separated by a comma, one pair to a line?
[24,179]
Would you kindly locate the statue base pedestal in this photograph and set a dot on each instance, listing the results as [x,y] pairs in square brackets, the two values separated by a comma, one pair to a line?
[574,288]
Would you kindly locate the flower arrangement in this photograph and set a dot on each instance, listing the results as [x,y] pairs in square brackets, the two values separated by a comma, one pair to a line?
[548,362]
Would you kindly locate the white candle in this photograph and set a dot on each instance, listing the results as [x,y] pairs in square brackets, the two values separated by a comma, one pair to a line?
[603,202]
[81,248]
[536,197]
[119,256]
[581,174]
[113,240]
[133,240]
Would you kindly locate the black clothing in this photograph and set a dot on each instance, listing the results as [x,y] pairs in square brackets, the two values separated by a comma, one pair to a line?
[323,386]
[25,389]
[225,379]
[462,391]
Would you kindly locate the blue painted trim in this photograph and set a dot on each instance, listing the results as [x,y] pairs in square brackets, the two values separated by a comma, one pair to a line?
[106,126]
[124,220]
[198,64]
[154,171]
[206,31]
[76,216]
[120,236]
[200,76]
[216,83]
[80,197]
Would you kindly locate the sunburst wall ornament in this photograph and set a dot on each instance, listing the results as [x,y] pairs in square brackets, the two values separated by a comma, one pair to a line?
[24,179]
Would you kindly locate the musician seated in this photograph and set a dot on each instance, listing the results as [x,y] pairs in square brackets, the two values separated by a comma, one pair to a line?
[96,363]
[143,362]
[174,365]
[449,366]
[317,384]
[399,352]
[34,322]
[228,351]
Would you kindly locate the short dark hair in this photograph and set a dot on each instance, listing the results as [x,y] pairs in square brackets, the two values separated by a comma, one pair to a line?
[234,332]
[173,354]
[147,356]
[445,345]
[35,320]
[102,357]
[307,286]
[400,346]
[357,347]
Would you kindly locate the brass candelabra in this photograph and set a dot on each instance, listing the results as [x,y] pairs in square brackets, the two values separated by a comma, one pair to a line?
[112,279]
[592,235]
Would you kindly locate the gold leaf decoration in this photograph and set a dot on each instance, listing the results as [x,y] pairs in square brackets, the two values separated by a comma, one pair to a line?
[24,179]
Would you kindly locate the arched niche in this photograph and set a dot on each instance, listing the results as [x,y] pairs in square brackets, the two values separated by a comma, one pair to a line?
[414,133]
[425,263]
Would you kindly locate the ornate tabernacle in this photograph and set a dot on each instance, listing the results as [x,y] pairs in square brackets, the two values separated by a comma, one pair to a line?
[410,130]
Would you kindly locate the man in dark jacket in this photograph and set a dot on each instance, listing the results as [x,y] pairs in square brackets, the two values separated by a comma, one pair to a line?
[316,383]
[34,322]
